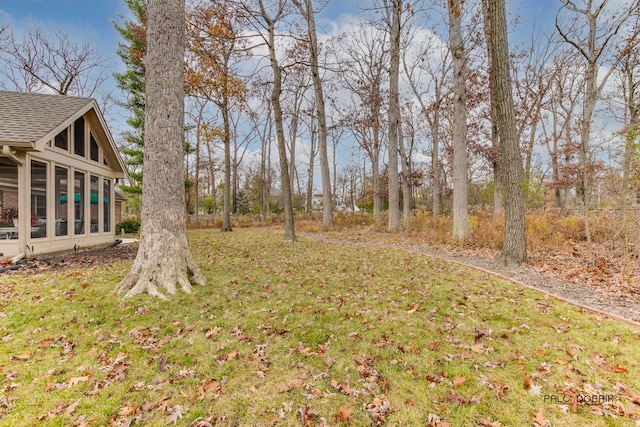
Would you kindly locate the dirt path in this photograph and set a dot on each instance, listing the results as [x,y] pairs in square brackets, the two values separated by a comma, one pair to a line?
[615,305]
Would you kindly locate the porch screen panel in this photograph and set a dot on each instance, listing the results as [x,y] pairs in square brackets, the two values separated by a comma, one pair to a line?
[62,139]
[94,150]
[38,199]
[78,197]
[106,190]
[95,203]
[9,196]
[62,202]
[78,137]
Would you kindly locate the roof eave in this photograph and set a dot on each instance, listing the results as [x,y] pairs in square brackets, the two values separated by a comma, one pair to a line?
[22,145]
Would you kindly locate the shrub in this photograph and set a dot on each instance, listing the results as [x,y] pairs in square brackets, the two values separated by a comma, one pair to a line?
[129,227]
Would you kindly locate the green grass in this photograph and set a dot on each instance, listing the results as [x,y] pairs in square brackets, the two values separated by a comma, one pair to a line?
[291,332]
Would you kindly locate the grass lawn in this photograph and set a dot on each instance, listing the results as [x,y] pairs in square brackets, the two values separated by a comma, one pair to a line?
[308,334]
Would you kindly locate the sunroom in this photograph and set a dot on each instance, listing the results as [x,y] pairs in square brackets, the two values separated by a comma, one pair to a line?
[58,170]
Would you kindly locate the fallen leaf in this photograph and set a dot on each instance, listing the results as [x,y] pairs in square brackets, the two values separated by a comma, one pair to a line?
[162,363]
[488,423]
[212,332]
[127,411]
[77,380]
[71,408]
[378,409]
[526,382]
[458,381]
[434,420]
[481,349]
[176,413]
[343,414]
[539,420]
[307,415]
[617,368]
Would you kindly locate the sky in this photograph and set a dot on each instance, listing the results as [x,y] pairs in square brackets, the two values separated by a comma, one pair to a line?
[92,21]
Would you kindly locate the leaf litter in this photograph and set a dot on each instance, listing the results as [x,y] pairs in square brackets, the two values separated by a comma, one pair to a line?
[332,335]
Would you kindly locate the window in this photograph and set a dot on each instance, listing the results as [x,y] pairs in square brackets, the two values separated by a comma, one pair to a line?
[106,189]
[62,211]
[38,199]
[78,137]
[78,206]
[94,186]
[94,150]
[62,140]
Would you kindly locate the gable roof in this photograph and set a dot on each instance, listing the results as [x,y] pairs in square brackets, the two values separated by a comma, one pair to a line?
[29,120]
[27,117]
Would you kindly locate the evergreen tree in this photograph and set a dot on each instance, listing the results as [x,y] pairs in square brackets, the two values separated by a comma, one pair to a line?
[132,52]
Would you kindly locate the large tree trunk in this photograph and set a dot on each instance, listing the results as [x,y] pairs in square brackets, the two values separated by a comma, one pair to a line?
[164,259]
[460,163]
[394,117]
[495,138]
[514,248]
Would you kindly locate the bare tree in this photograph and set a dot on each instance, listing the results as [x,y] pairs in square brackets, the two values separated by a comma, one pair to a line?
[559,134]
[593,44]
[630,85]
[164,259]
[54,61]
[431,97]
[364,60]
[393,10]
[306,9]
[514,248]
[494,157]
[460,162]
[265,18]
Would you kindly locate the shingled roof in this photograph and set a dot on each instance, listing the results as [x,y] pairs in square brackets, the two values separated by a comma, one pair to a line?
[27,117]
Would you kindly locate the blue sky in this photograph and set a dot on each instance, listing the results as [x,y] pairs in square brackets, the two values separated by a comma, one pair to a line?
[91,20]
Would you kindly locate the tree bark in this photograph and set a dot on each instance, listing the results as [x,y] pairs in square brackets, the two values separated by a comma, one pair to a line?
[226,196]
[460,162]
[514,248]
[327,197]
[495,138]
[394,116]
[285,181]
[407,196]
[164,259]
[312,157]
[435,162]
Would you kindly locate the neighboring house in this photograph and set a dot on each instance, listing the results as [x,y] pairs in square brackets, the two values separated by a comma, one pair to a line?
[58,169]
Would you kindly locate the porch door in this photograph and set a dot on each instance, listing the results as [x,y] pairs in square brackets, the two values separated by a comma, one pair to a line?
[61,202]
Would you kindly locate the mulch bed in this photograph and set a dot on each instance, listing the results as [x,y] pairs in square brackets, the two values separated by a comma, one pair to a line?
[82,259]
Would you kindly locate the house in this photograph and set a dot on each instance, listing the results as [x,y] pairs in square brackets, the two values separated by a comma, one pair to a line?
[58,170]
